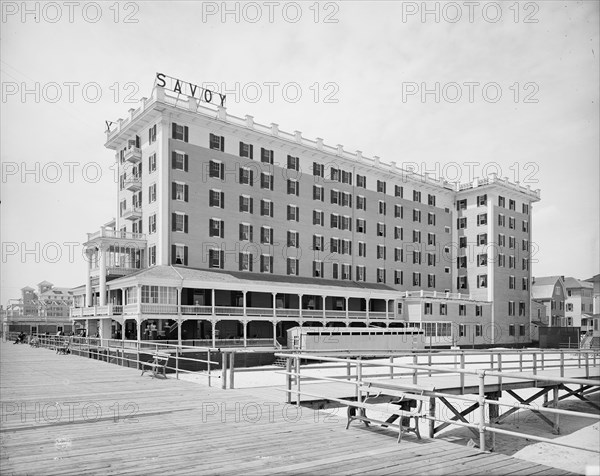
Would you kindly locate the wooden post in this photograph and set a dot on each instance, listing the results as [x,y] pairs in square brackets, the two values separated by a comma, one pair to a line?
[432,415]
[348,371]
[297,381]
[288,379]
[520,361]
[208,366]
[556,427]
[177,363]
[415,361]
[358,379]
[462,376]
[429,363]
[534,355]
[223,370]
[562,363]
[481,375]
[542,360]
[587,365]
[392,367]
[231,369]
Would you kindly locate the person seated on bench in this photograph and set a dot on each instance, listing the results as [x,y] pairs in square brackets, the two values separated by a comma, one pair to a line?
[20,338]
[64,349]
[34,342]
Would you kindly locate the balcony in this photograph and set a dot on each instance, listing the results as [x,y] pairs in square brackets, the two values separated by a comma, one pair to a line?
[133,183]
[133,155]
[96,311]
[117,234]
[133,213]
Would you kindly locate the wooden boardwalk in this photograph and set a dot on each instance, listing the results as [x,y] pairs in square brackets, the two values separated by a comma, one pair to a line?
[63,414]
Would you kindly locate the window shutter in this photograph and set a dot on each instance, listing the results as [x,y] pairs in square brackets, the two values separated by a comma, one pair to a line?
[314,242]
[241,175]
[271,264]
[173,190]
[241,227]
[262,235]
[185,161]
[335,270]
[240,257]
[185,224]
[172,221]
[241,148]
[241,201]
[222,255]
[251,205]
[222,144]
[185,133]
[173,159]
[222,199]
[271,235]
[173,130]
[252,177]
[222,172]
[251,151]
[251,233]
[289,210]
[173,253]
[221,226]
[150,135]
[289,268]
[186,192]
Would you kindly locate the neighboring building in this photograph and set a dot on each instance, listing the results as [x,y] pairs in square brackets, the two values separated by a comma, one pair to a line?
[579,305]
[595,293]
[550,292]
[226,227]
[44,310]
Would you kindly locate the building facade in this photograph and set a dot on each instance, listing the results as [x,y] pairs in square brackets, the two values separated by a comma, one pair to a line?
[206,192]
[579,304]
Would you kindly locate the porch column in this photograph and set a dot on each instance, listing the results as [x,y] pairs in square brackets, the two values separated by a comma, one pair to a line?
[244,304]
[103,253]
[387,306]
[324,301]
[138,323]
[179,323]
[300,296]
[273,302]
[212,301]
[179,289]
[368,301]
[347,314]
[245,327]
[275,334]
[105,330]
[88,281]
[214,330]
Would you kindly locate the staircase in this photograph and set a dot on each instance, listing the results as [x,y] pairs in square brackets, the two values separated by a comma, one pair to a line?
[280,362]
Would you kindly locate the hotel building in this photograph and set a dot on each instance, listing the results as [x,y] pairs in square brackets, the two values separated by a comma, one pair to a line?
[226,228]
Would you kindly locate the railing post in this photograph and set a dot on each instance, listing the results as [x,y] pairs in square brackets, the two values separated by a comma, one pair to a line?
[542,360]
[432,417]
[500,369]
[520,361]
[288,379]
[177,363]
[297,380]
[223,370]
[562,363]
[358,379]
[462,375]
[392,367]
[587,365]
[348,371]
[231,369]
[481,375]
[429,363]
[534,355]
[415,362]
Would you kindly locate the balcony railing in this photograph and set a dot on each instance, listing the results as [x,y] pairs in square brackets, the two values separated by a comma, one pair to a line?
[133,213]
[133,155]
[133,183]
[110,233]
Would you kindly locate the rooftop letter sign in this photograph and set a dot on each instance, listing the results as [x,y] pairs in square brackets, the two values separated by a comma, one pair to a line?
[189,89]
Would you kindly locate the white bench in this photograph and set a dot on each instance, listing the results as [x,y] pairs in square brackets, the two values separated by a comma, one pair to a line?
[407,401]
[157,365]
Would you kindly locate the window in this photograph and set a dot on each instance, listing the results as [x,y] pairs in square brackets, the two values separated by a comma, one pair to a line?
[482,219]
[461,282]
[246,150]
[481,200]
[430,259]
[431,218]
[266,156]
[293,163]
[216,258]
[525,226]
[216,198]
[511,223]
[179,254]
[462,241]
[346,247]
[152,224]
[317,269]
[293,239]
[335,174]
[511,204]
[482,239]
[461,262]
[381,207]
[266,264]
[346,272]
[501,239]
[399,191]
[511,282]
[318,170]
[381,252]
[152,163]
[293,187]
[416,257]
[417,215]
[511,329]
[360,273]
[398,254]
[266,208]
[431,280]
[462,309]
[521,329]
[398,277]
[381,275]
[525,209]
[179,191]
[334,246]
[216,142]
[525,245]
[245,260]
[478,329]
[266,235]
[416,196]
[318,243]
[216,169]
[398,233]
[443,309]
[524,284]
[381,186]
[525,264]
[461,223]
[292,266]
[461,330]
[380,229]
[216,227]
[361,181]
[361,225]
[431,200]
[179,222]
[416,279]
[318,218]
[398,211]
[416,236]
[266,181]
[335,197]
[431,238]
[246,204]
[152,193]
[180,132]
[362,249]
[361,202]
[179,161]
[246,232]
[521,308]
[482,281]
[511,308]
[501,220]
[293,213]
[461,204]
[152,255]
[318,193]
[346,177]
[246,176]
[428,308]
[501,202]
[152,134]
[335,220]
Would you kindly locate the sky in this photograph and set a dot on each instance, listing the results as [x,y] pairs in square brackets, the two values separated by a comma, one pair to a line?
[454,89]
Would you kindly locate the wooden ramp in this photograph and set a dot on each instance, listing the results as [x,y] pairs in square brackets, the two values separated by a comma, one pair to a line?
[63,414]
